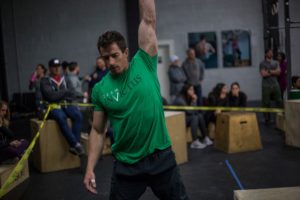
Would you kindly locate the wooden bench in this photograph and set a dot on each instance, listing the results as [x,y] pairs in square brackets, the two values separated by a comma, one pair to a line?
[5,171]
[237,132]
[51,152]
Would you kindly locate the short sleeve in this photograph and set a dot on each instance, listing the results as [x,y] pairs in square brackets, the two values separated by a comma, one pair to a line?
[150,62]
[98,106]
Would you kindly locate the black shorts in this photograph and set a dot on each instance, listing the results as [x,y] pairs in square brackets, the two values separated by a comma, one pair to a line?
[158,171]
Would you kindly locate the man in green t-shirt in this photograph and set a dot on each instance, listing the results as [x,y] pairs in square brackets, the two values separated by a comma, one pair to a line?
[129,97]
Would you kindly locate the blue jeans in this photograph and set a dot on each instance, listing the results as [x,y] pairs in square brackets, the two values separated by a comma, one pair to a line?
[72,135]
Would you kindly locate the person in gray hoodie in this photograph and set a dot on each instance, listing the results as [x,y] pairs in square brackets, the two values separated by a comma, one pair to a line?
[176,76]
[194,71]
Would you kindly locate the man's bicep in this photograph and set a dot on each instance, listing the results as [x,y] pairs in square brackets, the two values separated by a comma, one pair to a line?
[147,38]
[99,121]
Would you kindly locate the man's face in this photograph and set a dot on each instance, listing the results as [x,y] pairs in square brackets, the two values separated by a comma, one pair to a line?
[55,70]
[191,54]
[269,54]
[114,58]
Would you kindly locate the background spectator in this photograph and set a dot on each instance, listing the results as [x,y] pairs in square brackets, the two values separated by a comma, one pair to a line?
[194,119]
[177,77]
[236,97]
[11,148]
[54,90]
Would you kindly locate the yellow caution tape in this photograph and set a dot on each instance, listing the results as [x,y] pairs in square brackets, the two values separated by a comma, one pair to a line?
[20,165]
[248,109]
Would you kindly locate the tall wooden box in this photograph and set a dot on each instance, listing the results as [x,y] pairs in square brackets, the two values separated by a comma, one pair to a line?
[51,152]
[292,116]
[280,121]
[5,171]
[237,132]
[85,142]
[286,193]
[175,122]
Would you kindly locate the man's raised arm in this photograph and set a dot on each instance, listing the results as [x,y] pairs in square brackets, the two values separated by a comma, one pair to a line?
[147,29]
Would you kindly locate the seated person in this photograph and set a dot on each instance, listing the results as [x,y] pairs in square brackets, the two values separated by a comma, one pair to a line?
[10,148]
[55,90]
[217,97]
[296,82]
[194,119]
[236,97]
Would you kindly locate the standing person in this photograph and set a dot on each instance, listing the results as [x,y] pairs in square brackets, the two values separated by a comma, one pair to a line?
[236,97]
[11,148]
[129,96]
[176,76]
[269,71]
[74,82]
[194,71]
[35,84]
[55,90]
[194,119]
[100,71]
[283,71]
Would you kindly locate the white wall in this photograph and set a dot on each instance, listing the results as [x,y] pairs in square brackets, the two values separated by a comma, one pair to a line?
[36,31]
[176,18]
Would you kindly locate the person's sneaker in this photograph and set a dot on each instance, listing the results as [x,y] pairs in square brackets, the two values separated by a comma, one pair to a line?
[197,145]
[207,141]
[77,150]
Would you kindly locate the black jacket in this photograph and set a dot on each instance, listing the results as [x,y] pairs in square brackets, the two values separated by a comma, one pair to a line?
[53,93]
[6,136]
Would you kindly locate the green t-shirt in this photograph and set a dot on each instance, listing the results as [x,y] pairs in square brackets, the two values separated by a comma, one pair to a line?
[133,104]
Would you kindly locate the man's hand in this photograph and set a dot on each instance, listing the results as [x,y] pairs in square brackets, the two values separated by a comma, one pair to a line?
[90,182]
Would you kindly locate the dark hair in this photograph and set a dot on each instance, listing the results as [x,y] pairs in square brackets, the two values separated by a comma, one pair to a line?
[282,55]
[294,80]
[43,67]
[202,37]
[184,90]
[234,83]
[267,50]
[72,66]
[111,37]
[217,89]
[65,65]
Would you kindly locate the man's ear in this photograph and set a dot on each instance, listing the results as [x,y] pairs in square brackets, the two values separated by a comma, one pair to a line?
[126,52]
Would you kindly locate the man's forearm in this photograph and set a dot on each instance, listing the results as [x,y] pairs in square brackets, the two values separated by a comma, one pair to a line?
[147,11]
[96,143]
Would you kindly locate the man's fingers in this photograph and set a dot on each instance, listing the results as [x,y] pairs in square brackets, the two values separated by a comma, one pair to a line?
[91,186]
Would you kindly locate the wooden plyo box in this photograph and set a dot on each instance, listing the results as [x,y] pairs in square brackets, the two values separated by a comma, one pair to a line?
[5,171]
[292,116]
[237,132]
[286,193]
[175,122]
[280,121]
[85,142]
[51,152]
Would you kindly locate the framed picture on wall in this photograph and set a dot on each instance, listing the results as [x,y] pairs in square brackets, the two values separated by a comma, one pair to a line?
[236,48]
[205,45]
